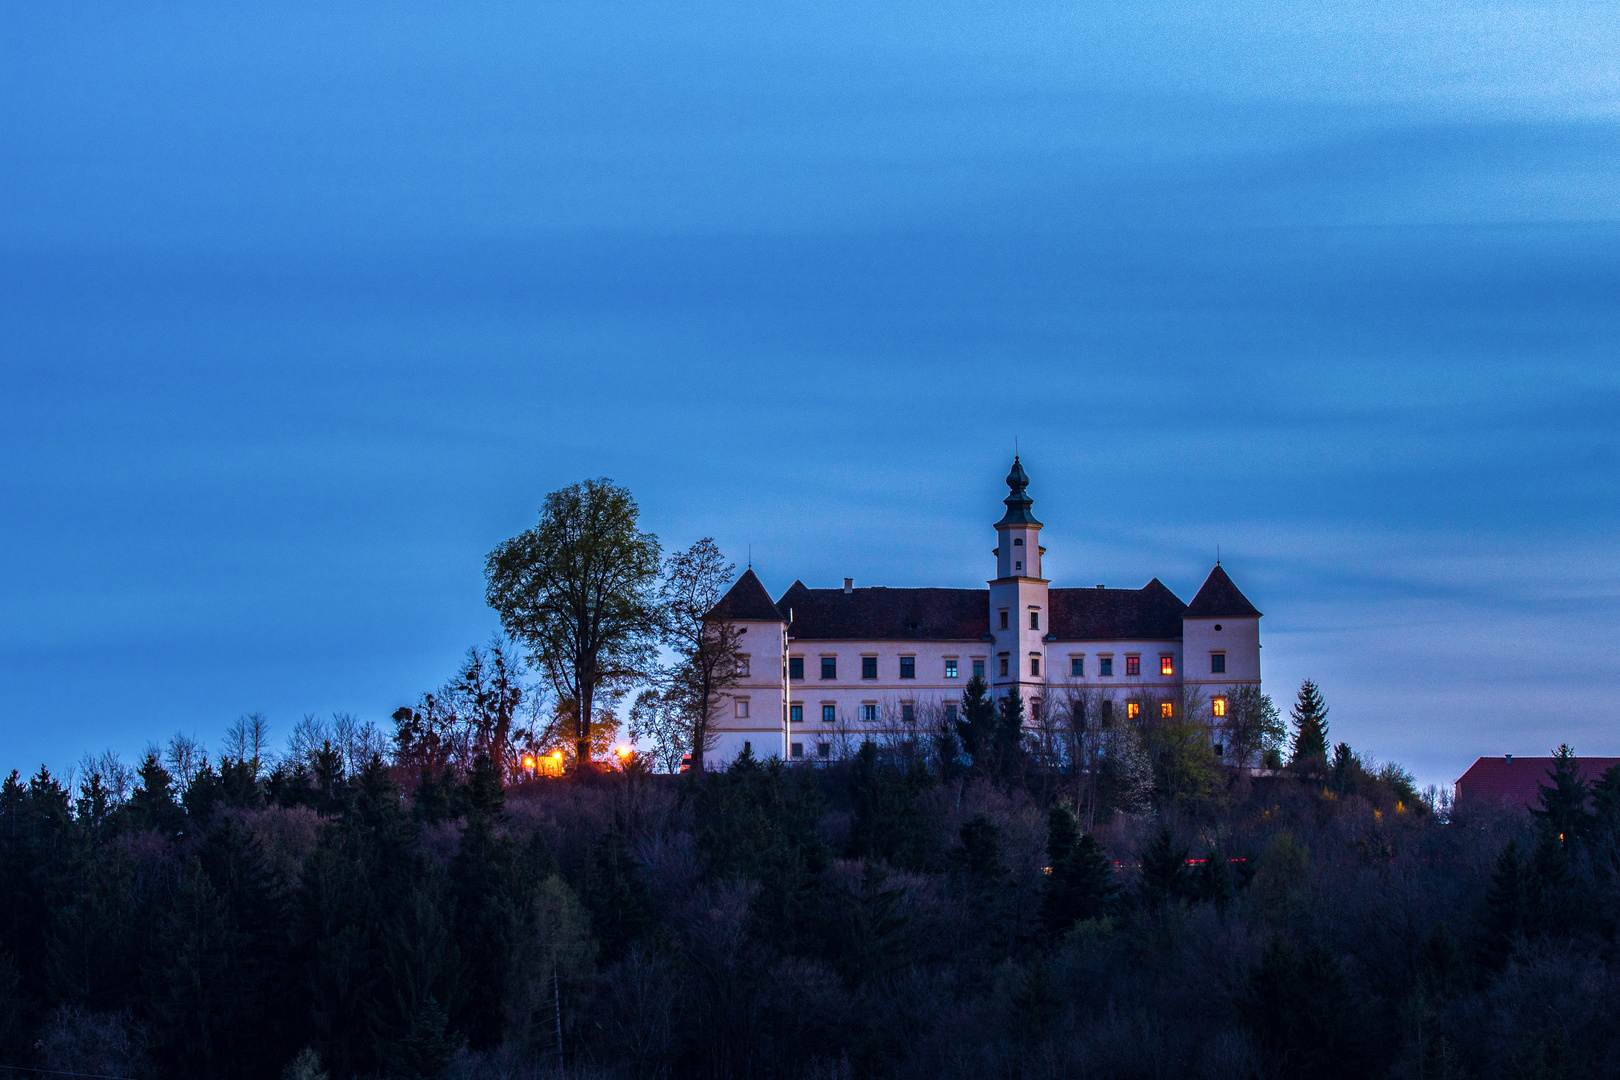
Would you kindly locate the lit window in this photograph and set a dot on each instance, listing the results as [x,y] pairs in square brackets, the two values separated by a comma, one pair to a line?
[908,667]
[1077,667]
[829,714]
[950,711]
[1132,710]
[1034,620]
[742,708]
[796,714]
[1034,665]
[1166,666]
[1106,666]
[1217,663]
[824,749]
[869,713]
[868,667]
[795,667]
[908,712]
[978,669]
[742,665]
[829,667]
[1133,665]
[1004,667]
[950,669]
[1004,620]
[1035,709]
[1218,706]
[1166,710]
[796,749]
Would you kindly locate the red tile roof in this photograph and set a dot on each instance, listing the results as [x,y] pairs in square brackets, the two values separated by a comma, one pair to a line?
[746,601]
[1510,780]
[1218,598]
[1151,613]
[880,614]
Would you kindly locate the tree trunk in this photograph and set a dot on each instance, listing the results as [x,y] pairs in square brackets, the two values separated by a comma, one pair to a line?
[582,723]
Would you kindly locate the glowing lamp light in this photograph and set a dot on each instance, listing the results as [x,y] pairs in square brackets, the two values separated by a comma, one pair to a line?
[556,755]
[624,750]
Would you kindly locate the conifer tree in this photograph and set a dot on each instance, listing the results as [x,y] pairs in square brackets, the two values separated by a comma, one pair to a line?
[1164,870]
[1563,812]
[1310,729]
[976,726]
[1510,903]
[1080,883]
[152,805]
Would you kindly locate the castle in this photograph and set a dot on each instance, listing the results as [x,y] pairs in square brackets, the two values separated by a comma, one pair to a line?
[820,661]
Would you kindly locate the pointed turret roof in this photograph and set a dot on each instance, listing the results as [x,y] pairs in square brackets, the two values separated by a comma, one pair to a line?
[1018,503]
[746,601]
[1220,599]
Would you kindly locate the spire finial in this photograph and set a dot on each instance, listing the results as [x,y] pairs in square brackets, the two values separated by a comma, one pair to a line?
[751,557]
[1217,554]
[1018,501]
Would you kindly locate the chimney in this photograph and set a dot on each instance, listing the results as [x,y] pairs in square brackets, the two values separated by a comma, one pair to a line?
[1102,586]
[849,585]
[1508,758]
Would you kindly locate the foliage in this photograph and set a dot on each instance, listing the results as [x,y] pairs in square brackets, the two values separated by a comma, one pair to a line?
[1309,714]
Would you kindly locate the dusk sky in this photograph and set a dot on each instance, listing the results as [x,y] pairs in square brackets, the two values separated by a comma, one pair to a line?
[305,307]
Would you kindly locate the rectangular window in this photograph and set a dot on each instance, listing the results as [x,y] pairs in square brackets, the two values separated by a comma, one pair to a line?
[1133,665]
[824,749]
[829,667]
[1034,620]
[1004,620]
[742,708]
[978,669]
[1003,667]
[795,667]
[908,667]
[950,712]
[829,714]
[868,667]
[869,714]
[908,712]
[1035,665]
[1218,706]
[742,665]
[1035,709]
[1167,665]
[1132,710]
[1077,667]
[795,714]
[1217,663]
[1106,666]
[796,749]
[950,669]
[1166,710]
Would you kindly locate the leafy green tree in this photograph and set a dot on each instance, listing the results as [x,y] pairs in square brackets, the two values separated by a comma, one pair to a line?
[1309,714]
[1251,726]
[578,591]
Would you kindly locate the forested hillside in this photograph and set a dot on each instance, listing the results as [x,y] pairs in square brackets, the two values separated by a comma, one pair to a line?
[875,917]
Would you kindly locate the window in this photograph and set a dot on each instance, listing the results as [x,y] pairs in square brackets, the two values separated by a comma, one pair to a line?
[795,714]
[1218,706]
[742,665]
[829,714]
[1035,665]
[1220,751]
[1105,666]
[950,712]
[748,747]
[796,749]
[1133,665]
[1132,710]
[1035,709]
[829,667]
[1018,566]
[1217,663]
[950,669]
[1167,665]
[869,713]
[908,667]
[908,712]
[1003,667]
[795,667]
[1004,620]
[978,669]
[1034,620]
[1166,710]
[1077,667]
[868,667]
[824,749]
[1018,543]
[742,708]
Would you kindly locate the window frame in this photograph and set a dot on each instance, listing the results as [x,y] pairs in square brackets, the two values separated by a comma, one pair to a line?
[740,709]
[1077,667]
[829,668]
[950,667]
[1217,663]
[1167,664]
[796,668]
[829,713]
[1133,665]
[908,667]
[869,666]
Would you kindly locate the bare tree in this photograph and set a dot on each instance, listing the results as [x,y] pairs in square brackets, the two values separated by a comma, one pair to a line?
[578,591]
[707,645]
[248,740]
[489,708]
[1251,725]
[186,757]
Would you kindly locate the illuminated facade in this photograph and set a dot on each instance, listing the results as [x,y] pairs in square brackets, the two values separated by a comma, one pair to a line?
[878,658]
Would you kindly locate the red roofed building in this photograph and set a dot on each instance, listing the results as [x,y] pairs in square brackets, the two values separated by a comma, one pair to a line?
[1510,780]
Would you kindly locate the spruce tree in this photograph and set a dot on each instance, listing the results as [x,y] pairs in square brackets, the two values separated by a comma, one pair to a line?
[1310,729]
[1009,733]
[1079,883]
[1563,812]
[976,726]
[1164,870]
[1510,903]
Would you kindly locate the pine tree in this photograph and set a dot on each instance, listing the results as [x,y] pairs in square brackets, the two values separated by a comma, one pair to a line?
[1079,885]
[152,805]
[1213,882]
[1009,737]
[1305,1017]
[976,727]
[1510,903]
[1164,870]
[1563,812]
[1310,729]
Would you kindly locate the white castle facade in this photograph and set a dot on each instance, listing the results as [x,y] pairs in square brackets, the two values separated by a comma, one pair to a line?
[871,659]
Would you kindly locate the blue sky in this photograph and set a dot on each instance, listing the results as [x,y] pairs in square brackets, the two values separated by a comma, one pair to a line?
[303,309]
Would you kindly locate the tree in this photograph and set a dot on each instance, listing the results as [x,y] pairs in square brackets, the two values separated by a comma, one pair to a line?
[707,647]
[577,590]
[1310,729]
[1080,882]
[1252,725]
[1164,870]
[976,727]
[1563,805]
[1301,1007]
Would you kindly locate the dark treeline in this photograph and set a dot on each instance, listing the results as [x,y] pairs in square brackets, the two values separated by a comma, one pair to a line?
[930,916]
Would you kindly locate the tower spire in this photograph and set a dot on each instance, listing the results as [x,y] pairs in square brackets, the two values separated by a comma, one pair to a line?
[1018,501]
